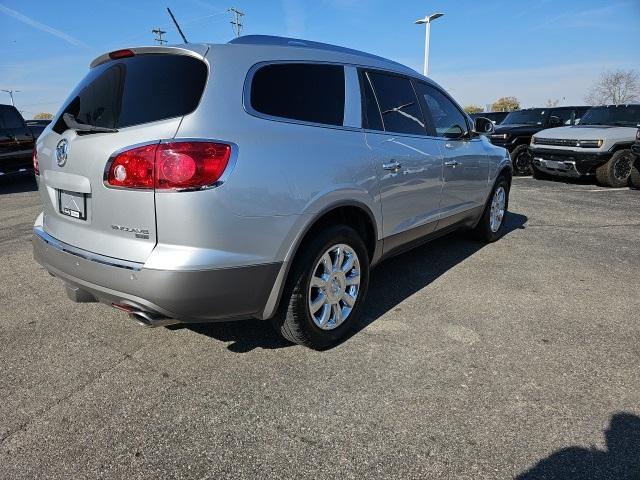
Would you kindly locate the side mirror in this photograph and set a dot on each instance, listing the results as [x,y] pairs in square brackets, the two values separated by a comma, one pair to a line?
[483,126]
[554,121]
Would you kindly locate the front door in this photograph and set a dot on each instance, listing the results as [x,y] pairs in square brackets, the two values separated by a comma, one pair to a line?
[466,164]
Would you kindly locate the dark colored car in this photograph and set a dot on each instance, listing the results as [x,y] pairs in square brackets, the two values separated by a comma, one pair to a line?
[635,168]
[37,126]
[16,142]
[495,117]
[516,130]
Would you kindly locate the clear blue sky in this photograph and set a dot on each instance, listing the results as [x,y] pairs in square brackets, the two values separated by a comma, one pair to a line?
[533,49]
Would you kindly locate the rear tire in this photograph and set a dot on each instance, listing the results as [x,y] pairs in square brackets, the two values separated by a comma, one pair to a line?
[305,289]
[634,178]
[522,160]
[615,173]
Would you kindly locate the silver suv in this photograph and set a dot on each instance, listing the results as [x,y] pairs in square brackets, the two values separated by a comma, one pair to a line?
[261,178]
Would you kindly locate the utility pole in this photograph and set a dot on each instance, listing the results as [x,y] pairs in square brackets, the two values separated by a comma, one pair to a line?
[159,33]
[236,22]
[11,92]
[177,26]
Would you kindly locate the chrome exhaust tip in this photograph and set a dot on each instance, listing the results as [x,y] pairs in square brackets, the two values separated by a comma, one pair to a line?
[145,319]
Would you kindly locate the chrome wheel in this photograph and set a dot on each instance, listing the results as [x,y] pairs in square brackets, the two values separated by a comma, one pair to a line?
[334,286]
[498,203]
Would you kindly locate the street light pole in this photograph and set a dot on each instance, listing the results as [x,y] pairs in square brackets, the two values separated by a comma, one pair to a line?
[11,92]
[427,21]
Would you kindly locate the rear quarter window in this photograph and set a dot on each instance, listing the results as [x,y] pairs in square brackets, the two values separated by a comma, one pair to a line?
[136,90]
[300,91]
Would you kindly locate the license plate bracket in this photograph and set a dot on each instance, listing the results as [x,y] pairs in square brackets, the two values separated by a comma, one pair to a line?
[72,204]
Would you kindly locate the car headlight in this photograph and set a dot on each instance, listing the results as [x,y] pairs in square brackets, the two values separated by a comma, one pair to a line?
[533,140]
[590,143]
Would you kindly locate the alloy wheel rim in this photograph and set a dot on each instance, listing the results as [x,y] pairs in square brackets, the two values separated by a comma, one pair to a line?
[523,162]
[498,203]
[334,286]
[622,168]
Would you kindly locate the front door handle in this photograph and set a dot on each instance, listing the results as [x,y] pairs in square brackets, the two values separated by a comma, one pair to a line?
[393,166]
[452,164]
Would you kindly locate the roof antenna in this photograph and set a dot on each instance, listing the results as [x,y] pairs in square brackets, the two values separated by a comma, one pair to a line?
[177,26]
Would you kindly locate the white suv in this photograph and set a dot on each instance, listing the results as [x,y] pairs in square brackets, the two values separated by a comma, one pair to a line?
[600,145]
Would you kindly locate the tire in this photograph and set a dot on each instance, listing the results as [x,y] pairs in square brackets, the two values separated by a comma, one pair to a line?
[522,160]
[294,320]
[634,178]
[615,173]
[485,231]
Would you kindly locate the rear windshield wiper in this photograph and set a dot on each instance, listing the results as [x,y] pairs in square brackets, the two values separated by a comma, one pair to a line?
[72,123]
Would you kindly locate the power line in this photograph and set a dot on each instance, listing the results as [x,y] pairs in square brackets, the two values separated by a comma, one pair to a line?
[159,33]
[236,21]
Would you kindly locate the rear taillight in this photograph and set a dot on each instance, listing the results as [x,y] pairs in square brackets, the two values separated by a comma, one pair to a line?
[169,166]
[36,165]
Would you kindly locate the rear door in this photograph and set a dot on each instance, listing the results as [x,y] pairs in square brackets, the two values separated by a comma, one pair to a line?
[408,161]
[16,141]
[466,164]
[144,97]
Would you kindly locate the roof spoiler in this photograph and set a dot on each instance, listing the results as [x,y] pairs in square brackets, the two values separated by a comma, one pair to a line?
[193,50]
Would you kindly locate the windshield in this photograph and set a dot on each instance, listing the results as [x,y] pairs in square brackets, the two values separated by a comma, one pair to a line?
[526,117]
[135,90]
[622,115]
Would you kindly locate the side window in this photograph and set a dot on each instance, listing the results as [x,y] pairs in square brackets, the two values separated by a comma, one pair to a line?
[579,113]
[9,119]
[565,115]
[449,122]
[398,104]
[300,91]
[371,118]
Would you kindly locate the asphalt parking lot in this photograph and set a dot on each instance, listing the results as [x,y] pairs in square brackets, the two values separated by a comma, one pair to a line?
[516,359]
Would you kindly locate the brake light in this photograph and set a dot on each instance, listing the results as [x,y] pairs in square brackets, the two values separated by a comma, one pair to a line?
[36,165]
[190,164]
[169,166]
[121,54]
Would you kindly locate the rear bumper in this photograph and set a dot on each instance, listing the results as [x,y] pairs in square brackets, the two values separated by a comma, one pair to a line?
[189,296]
[567,162]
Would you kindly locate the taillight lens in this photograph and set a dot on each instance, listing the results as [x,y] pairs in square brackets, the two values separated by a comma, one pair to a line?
[36,165]
[190,164]
[133,168]
[170,166]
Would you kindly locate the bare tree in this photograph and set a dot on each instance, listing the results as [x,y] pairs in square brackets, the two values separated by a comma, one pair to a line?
[615,87]
[552,103]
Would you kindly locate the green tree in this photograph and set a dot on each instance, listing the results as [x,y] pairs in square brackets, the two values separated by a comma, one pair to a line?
[43,116]
[505,104]
[473,109]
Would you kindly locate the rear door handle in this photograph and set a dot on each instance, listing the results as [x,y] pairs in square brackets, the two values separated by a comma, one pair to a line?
[452,164]
[392,166]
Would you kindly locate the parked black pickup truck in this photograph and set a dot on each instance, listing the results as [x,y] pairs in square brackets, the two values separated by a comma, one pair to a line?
[516,130]
[16,142]
[495,117]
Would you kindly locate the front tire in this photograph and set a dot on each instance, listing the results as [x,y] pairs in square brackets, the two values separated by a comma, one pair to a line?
[325,290]
[491,225]
[615,173]
[522,160]
[634,178]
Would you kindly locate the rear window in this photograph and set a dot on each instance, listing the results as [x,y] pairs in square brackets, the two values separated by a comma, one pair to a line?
[135,90]
[300,91]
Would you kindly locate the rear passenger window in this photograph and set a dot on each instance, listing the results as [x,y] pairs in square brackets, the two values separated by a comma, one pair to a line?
[9,119]
[449,122]
[398,104]
[300,91]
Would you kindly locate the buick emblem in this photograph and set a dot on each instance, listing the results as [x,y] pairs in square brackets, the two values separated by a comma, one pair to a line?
[61,152]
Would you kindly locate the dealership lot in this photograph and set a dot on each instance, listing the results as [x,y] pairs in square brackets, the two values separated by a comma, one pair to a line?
[471,361]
